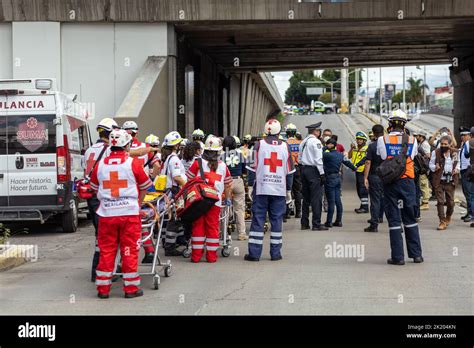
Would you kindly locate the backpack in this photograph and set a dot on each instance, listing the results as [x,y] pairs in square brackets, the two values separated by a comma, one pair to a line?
[422,163]
[196,198]
[393,168]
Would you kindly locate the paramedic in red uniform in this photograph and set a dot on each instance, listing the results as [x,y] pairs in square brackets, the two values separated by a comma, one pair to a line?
[121,184]
[94,153]
[206,228]
[148,159]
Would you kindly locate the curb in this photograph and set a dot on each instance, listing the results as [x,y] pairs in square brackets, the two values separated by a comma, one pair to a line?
[17,255]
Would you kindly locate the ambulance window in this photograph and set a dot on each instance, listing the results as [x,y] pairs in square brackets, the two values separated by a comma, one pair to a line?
[83,138]
[31,134]
[3,135]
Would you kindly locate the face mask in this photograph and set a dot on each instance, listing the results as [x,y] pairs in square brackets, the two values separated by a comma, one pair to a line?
[326,138]
[444,149]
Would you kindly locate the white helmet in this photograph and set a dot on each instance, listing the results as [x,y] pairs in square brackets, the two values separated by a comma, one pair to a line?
[272,127]
[107,124]
[198,134]
[398,115]
[290,127]
[185,142]
[213,144]
[130,125]
[152,140]
[119,138]
[172,139]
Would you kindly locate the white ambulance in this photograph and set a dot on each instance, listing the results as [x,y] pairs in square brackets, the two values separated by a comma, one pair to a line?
[43,137]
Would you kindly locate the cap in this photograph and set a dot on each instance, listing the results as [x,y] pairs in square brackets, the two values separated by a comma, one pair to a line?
[314,126]
[331,141]
[421,133]
[464,131]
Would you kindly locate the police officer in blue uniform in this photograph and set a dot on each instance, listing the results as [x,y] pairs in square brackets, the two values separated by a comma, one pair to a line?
[373,182]
[333,160]
[399,196]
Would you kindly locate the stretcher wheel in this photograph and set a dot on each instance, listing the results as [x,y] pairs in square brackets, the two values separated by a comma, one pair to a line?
[187,253]
[168,271]
[225,252]
[156,282]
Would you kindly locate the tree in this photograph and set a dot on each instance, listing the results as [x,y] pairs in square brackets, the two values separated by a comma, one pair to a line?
[335,75]
[415,93]
[325,98]
[398,98]
[296,93]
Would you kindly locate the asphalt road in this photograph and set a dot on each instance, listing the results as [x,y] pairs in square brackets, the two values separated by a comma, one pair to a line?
[307,281]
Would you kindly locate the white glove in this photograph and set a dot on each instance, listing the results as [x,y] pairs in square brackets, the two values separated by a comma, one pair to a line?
[288,197]
[250,192]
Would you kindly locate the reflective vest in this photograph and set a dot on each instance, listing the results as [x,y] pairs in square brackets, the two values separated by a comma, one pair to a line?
[294,148]
[118,190]
[92,154]
[393,145]
[272,168]
[359,155]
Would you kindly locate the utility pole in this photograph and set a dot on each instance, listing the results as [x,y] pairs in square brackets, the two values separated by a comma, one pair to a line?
[344,85]
[404,100]
[367,94]
[380,94]
[357,89]
[424,88]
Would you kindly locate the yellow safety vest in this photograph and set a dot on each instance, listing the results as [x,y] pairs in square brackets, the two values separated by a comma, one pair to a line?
[359,155]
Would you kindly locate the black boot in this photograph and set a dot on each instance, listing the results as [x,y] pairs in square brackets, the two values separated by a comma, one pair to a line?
[148,258]
[95,263]
[138,293]
[298,214]
[371,228]
[171,250]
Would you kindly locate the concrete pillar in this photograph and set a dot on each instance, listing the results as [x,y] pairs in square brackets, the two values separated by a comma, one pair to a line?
[172,83]
[463,103]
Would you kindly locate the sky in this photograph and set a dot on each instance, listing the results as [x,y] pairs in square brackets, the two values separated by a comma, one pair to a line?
[436,76]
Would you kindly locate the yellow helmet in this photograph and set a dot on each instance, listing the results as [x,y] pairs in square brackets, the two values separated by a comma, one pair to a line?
[152,140]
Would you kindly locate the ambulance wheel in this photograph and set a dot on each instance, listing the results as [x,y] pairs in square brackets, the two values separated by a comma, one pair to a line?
[70,219]
[156,282]
[187,253]
[225,252]
[168,271]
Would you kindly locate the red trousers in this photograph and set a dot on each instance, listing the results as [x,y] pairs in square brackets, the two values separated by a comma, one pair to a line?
[148,245]
[206,229]
[114,231]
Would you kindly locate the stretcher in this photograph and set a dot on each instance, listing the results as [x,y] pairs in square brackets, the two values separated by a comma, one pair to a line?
[227,213]
[155,211]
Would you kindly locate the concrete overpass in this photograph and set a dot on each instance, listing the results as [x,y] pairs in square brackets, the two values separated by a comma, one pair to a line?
[212,43]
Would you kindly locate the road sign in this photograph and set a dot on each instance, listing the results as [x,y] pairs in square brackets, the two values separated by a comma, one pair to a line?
[314,91]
